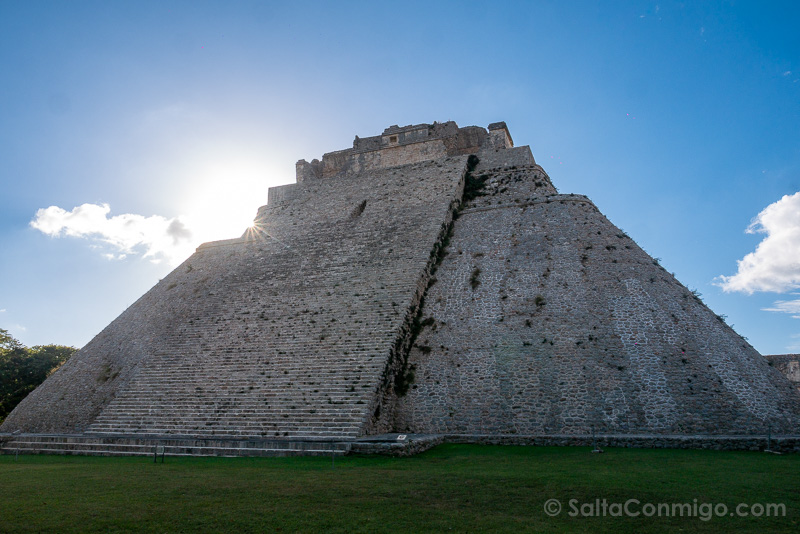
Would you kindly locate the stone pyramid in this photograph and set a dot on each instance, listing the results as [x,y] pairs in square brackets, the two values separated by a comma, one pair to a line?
[429,280]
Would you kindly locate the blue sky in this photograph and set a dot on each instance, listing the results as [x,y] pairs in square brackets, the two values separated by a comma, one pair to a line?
[132,131]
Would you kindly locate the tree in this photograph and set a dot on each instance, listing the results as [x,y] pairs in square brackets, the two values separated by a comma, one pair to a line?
[7,342]
[22,369]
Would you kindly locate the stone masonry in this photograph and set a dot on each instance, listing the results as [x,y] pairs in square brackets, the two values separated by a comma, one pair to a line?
[788,364]
[286,332]
[428,280]
[544,318]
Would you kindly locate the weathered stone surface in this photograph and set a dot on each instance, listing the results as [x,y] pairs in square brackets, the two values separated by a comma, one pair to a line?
[545,318]
[93,445]
[288,331]
[788,364]
[540,318]
[401,146]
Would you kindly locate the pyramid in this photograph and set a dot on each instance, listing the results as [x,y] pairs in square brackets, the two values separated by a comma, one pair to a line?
[428,280]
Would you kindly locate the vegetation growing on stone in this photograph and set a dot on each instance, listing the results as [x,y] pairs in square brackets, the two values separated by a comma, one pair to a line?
[473,185]
[474,280]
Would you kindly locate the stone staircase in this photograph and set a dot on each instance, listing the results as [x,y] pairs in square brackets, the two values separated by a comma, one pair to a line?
[289,336]
[282,388]
[264,352]
[187,395]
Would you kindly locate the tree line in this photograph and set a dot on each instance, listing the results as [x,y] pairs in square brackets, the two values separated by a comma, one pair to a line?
[22,369]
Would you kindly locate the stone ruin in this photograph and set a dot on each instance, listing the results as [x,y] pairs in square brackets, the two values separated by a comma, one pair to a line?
[788,364]
[427,281]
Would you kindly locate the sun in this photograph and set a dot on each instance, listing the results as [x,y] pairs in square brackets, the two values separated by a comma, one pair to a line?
[223,202]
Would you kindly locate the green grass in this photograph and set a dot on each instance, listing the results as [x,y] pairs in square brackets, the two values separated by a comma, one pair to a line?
[455,488]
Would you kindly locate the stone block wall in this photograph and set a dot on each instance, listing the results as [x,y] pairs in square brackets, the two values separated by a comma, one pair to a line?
[405,145]
[788,365]
[545,318]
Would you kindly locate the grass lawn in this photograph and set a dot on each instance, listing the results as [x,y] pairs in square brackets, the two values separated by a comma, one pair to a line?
[455,488]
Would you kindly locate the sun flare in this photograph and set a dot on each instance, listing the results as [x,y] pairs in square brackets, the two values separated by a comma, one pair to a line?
[223,202]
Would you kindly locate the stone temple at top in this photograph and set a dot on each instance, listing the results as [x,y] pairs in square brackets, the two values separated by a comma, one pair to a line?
[430,280]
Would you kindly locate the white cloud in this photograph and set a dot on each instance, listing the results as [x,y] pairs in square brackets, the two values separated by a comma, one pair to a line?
[787,73]
[775,264]
[791,307]
[154,237]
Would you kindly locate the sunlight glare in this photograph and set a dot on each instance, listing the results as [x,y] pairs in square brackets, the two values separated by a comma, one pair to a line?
[224,200]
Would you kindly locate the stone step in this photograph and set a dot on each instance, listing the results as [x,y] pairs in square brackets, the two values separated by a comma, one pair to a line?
[261,372]
[294,406]
[287,384]
[239,419]
[232,423]
[229,423]
[127,446]
[214,406]
[282,381]
[209,426]
[226,433]
[209,397]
